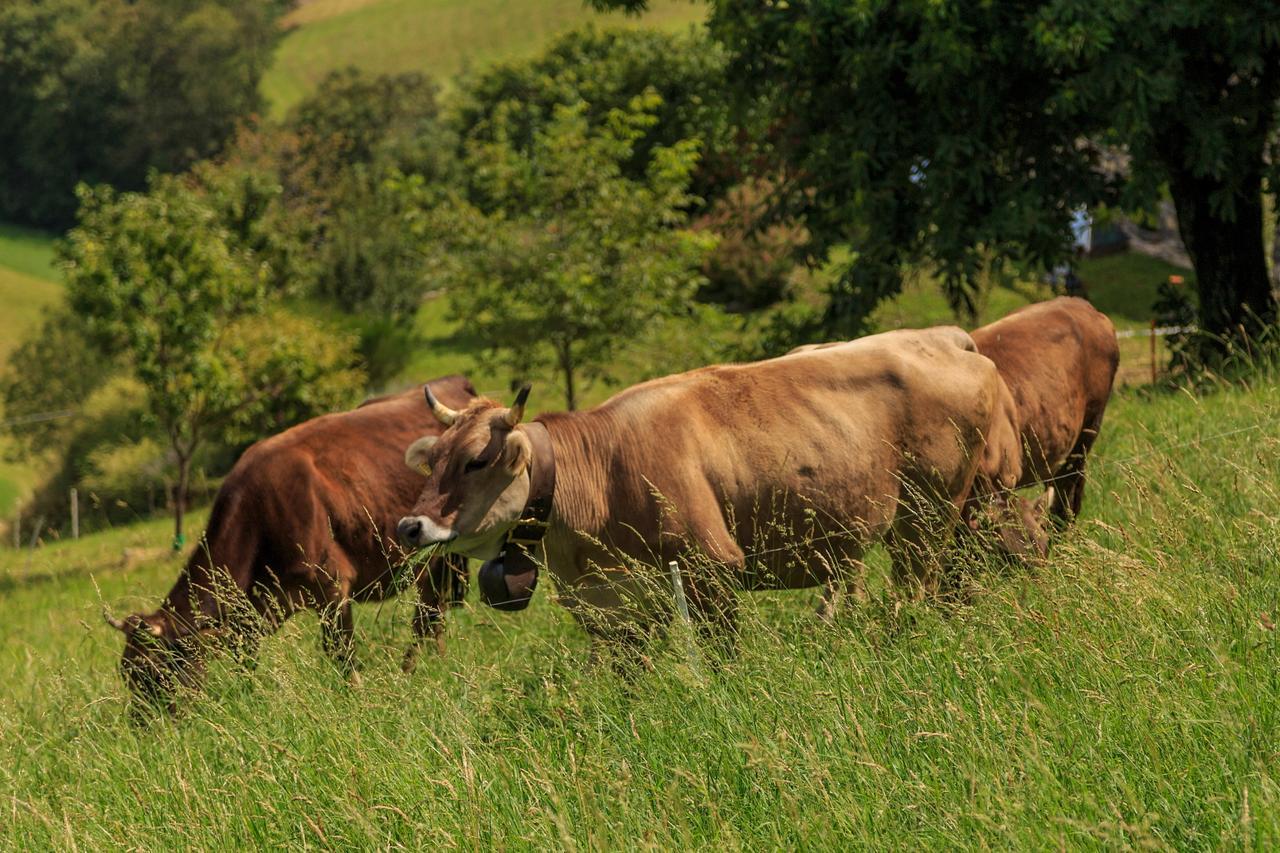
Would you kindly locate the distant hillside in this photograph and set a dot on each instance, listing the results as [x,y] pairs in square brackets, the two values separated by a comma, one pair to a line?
[28,284]
[437,36]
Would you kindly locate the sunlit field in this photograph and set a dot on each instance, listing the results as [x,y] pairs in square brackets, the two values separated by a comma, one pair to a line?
[438,37]
[1125,694]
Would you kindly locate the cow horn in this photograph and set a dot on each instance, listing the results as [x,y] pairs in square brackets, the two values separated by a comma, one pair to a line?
[132,624]
[516,412]
[119,624]
[443,413]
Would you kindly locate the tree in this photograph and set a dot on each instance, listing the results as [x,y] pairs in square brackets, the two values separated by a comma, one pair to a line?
[105,91]
[603,71]
[577,259]
[951,133]
[352,115]
[155,281]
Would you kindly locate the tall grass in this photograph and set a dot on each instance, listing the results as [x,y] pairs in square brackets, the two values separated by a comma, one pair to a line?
[1128,693]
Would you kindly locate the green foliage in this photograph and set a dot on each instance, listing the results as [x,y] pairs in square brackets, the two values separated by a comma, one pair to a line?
[248,198]
[369,262]
[756,256]
[1124,695]
[125,468]
[352,115]
[603,71]
[577,259]
[156,282]
[276,370]
[154,279]
[950,134]
[111,424]
[47,379]
[1175,308]
[105,91]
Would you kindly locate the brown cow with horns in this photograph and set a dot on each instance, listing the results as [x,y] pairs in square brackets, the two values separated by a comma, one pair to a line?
[722,468]
[302,521]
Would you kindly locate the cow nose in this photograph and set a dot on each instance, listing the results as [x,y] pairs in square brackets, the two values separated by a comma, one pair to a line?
[410,530]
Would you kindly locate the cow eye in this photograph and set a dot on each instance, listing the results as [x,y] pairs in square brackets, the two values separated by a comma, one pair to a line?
[474,465]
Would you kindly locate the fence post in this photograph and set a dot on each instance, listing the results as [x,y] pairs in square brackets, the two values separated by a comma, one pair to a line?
[1154,376]
[75,513]
[682,607]
[17,531]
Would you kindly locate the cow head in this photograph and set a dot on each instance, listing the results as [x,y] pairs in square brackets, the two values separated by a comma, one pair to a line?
[477,478]
[1021,526]
[158,659]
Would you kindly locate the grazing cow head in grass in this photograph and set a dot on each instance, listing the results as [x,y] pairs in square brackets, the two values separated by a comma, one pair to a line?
[158,660]
[477,478]
[1021,526]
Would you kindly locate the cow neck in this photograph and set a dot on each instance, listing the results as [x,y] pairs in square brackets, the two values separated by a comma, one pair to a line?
[535,518]
[584,444]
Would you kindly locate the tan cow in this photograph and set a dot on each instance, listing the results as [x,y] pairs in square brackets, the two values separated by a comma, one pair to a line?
[1058,360]
[731,469]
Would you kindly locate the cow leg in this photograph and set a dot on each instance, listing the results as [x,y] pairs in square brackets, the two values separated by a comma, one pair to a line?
[712,597]
[441,584]
[337,635]
[713,606]
[920,533]
[622,649]
[337,622]
[1069,479]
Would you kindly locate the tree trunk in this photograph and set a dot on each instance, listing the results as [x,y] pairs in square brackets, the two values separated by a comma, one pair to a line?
[567,368]
[1275,247]
[1229,255]
[180,498]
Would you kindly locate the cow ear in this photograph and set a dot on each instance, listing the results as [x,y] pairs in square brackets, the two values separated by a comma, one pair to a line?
[517,453]
[416,455]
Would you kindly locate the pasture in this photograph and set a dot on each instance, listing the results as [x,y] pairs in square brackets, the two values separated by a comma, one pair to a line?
[1126,694]
[439,37]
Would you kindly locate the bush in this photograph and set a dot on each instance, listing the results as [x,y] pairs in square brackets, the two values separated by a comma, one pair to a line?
[753,262]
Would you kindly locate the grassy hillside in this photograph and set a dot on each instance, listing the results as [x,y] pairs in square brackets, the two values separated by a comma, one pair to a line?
[1124,695]
[437,36]
[28,285]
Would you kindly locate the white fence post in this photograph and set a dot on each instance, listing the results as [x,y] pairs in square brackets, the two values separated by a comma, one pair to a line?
[682,607]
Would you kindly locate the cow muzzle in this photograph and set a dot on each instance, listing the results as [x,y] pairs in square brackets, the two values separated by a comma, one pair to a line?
[418,531]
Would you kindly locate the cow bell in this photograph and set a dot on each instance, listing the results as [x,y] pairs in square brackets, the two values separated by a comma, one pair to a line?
[504,586]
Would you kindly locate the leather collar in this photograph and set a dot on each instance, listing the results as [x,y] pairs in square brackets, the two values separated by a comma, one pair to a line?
[535,518]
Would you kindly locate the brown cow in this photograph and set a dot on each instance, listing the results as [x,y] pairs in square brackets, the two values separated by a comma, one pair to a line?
[725,468]
[1058,359]
[304,520]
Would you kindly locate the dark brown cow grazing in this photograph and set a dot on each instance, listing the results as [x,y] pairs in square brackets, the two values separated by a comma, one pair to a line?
[1058,360]
[305,519]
